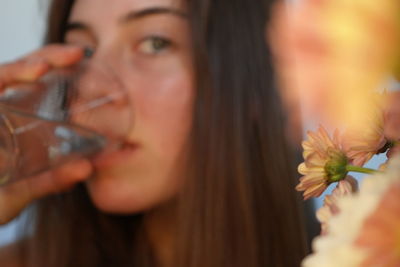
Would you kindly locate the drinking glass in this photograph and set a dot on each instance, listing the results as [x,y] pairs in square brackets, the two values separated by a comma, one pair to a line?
[70,113]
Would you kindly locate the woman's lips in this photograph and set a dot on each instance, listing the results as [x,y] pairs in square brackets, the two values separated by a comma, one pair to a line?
[112,156]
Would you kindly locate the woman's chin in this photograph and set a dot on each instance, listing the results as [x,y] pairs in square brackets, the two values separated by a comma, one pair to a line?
[111,197]
[122,195]
[129,190]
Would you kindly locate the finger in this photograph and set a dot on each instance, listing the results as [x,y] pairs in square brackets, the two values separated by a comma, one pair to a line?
[36,64]
[58,55]
[60,179]
[16,196]
[22,71]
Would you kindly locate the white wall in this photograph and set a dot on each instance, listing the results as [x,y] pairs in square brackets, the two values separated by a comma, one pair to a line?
[21,27]
[21,31]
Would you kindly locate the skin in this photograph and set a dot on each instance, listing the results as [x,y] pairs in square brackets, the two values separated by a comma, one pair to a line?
[152,58]
[157,75]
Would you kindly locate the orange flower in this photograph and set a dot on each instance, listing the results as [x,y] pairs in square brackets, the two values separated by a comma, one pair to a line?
[324,163]
[366,231]
[362,143]
[392,123]
[392,116]
[332,53]
[330,208]
[379,132]
[393,151]
[380,234]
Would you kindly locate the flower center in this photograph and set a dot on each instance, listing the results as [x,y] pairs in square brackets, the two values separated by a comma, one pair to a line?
[335,167]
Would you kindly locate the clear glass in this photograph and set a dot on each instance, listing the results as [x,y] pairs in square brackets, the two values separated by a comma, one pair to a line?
[70,113]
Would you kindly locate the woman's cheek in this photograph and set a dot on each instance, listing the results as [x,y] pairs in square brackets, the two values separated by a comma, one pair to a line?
[164,106]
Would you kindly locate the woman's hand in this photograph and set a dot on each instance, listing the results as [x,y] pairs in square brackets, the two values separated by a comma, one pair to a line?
[14,197]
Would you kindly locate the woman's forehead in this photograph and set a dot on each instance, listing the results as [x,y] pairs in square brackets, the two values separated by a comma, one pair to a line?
[117,9]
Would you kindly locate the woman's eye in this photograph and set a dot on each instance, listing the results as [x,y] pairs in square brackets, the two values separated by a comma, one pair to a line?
[154,45]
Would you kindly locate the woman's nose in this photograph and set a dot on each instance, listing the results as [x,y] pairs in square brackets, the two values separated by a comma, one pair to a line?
[100,100]
[98,81]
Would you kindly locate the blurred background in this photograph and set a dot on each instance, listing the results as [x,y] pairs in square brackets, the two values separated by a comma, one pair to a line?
[21,31]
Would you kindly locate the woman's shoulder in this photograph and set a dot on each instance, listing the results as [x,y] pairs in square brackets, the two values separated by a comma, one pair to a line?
[9,255]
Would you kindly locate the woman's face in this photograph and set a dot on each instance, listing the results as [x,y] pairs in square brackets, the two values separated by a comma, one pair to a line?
[147,44]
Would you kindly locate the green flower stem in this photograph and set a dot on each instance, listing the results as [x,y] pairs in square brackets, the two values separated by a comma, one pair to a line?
[352,168]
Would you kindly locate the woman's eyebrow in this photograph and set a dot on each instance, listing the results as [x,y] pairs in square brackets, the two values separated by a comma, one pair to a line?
[76,26]
[133,15]
[137,14]
[79,26]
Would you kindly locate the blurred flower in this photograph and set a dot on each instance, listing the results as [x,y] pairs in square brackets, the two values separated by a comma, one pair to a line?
[393,151]
[362,143]
[379,133]
[397,72]
[392,116]
[382,167]
[392,123]
[324,214]
[332,53]
[379,236]
[324,163]
[362,216]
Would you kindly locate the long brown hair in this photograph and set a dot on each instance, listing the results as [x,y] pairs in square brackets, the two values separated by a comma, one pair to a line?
[239,207]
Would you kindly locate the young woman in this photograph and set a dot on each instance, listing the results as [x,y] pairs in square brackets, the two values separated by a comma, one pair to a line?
[207,178]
